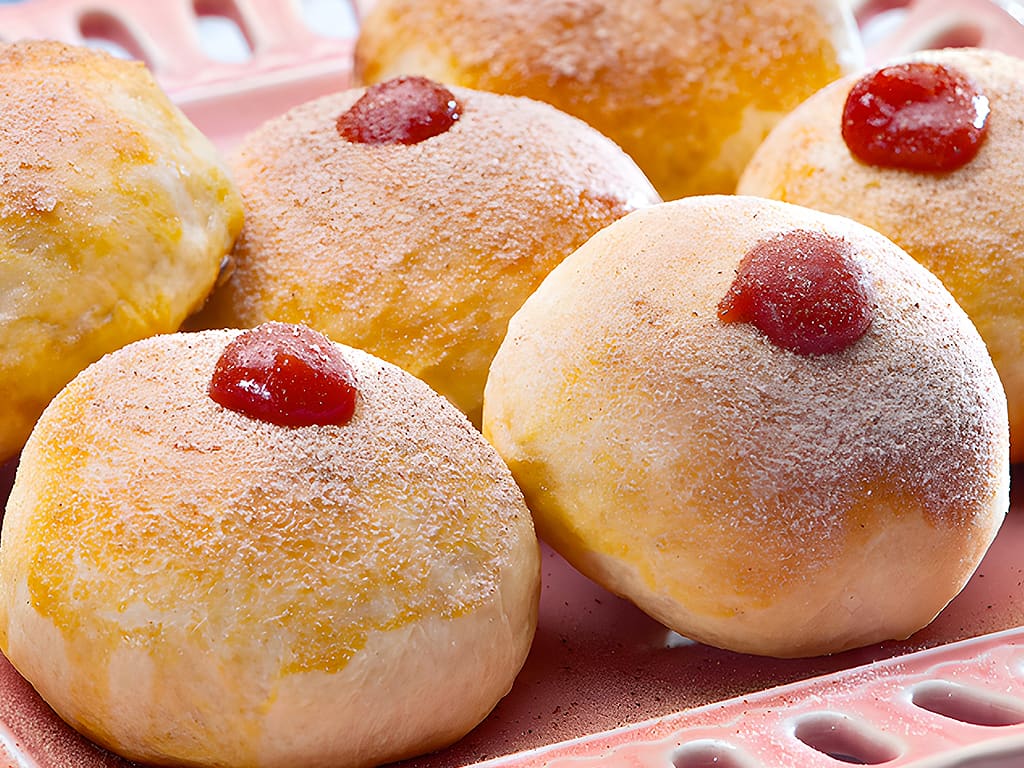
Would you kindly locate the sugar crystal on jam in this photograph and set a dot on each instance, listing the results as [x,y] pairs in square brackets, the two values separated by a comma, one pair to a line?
[403,110]
[916,116]
[804,290]
[287,375]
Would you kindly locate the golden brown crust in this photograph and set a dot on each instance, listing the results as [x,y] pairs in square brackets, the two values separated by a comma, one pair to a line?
[183,582]
[745,495]
[418,254]
[964,226]
[687,88]
[115,213]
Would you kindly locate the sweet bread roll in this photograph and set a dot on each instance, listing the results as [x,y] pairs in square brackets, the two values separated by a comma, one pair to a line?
[115,215]
[688,88]
[411,221]
[292,574]
[962,221]
[769,427]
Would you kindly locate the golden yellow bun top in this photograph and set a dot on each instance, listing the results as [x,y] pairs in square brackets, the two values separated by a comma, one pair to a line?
[688,88]
[115,213]
[743,494]
[418,254]
[965,226]
[180,579]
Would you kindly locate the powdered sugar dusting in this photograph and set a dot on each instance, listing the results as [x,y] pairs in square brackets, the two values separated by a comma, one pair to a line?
[116,212]
[225,502]
[743,472]
[965,226]
[688,89]
[164,527]
[420,253]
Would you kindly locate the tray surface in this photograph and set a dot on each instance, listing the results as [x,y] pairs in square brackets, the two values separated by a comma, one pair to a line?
[604,683]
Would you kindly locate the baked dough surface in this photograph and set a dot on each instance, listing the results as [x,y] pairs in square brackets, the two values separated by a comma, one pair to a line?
[418,254]
[746,496]
[688,88]
[965,226]
[115,215]
[190,586]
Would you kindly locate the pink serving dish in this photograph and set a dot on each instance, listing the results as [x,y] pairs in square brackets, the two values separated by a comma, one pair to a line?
[604,684]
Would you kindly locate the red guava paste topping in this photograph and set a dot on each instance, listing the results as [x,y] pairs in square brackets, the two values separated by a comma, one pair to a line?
[916,116]
[404,110]
[287,375]
[804,291]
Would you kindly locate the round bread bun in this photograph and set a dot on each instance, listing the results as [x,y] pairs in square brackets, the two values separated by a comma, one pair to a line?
[187,585]
[965,226]
[688,88]
[747,496]
[417,253]
[115,215]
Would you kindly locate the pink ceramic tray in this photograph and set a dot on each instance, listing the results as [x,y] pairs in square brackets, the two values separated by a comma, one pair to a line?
[604,684]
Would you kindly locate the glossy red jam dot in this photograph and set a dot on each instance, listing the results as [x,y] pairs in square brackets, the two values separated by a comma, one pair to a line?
[804,291]
[404,110]
[917,116]
[287,375]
